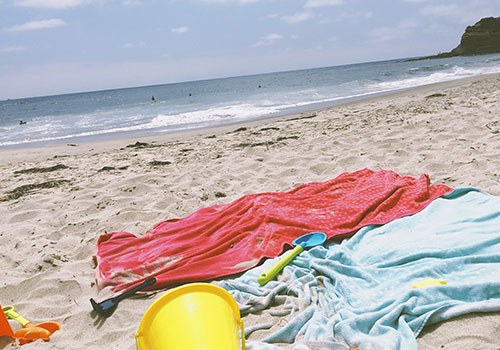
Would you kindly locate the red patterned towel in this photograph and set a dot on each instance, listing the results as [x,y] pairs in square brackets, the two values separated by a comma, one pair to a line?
[230,238]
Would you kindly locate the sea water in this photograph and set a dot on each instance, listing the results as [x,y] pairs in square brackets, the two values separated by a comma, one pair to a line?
[130,112]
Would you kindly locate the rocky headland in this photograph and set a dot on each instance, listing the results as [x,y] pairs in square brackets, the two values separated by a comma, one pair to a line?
[478,39]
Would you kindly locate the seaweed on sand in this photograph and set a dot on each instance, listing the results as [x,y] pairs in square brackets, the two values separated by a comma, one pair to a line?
[30,188]
[41,170]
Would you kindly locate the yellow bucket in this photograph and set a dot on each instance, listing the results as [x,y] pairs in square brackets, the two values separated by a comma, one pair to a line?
[196,316]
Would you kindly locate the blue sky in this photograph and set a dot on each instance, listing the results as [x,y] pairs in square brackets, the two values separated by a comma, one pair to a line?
[60,46]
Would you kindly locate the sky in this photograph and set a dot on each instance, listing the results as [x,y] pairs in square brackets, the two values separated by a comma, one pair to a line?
[62,46]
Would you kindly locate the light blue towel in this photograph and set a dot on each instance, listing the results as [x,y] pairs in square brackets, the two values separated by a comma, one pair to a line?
[360,292]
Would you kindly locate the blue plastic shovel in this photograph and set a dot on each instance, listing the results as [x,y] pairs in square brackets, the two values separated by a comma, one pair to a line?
[305,241]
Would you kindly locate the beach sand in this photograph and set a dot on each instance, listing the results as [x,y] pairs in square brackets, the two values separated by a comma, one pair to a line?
[56,200]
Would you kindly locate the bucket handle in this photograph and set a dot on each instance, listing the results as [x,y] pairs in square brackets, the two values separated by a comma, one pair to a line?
[242,335]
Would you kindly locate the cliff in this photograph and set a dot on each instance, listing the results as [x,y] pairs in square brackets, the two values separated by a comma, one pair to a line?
[481,38]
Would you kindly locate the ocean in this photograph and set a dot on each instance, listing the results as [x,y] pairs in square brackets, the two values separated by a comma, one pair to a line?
[132,112]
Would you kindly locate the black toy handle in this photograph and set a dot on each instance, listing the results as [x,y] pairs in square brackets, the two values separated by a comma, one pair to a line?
[148,282]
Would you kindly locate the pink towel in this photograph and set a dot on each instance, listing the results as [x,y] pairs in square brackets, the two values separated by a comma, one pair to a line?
[230,238]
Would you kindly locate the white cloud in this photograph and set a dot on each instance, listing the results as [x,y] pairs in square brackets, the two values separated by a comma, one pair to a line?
[354,16]
[180,30]
[470,13]
[36,25]
[298,17]
[273,36]
[271,16]
[321,3]
[408,24]
[401,31]
[132,3]
[13,48]
[439,10]
[385,34]
[57,4]
[268,39]
[228,1]
[132,45]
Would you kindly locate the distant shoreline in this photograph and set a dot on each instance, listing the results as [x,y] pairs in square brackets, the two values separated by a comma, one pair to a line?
[105,141]
[154,132]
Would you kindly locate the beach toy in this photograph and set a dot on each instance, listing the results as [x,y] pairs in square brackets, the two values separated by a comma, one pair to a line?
[107,307]
[194,316]
[30,332]
[305,241]
[5,328]
[428,282]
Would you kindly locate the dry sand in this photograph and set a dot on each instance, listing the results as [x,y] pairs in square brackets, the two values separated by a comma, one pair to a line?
[56,200]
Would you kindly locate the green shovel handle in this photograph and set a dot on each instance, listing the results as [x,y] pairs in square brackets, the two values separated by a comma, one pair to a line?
[273,270]
[11,313]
